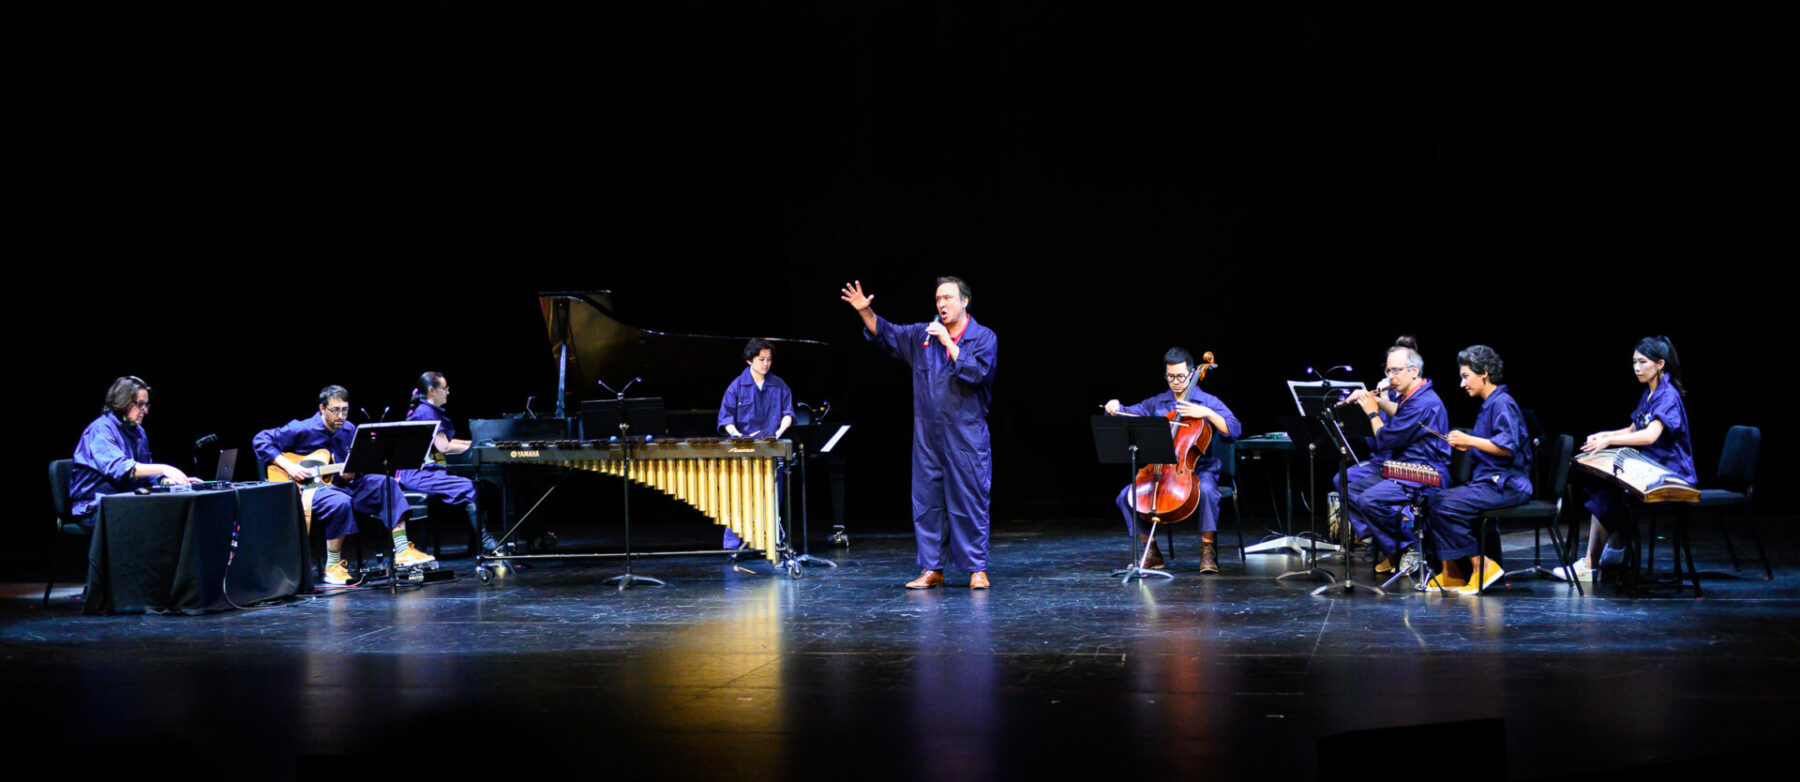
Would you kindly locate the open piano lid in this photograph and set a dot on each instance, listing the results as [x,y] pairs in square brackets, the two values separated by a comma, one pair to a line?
[689,371]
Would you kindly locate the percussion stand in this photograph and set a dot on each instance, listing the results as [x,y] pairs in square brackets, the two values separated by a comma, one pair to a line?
[1420,570]
[1348,586]
[627,578]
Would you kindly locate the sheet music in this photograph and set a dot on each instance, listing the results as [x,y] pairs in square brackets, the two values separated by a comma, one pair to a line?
[842,430]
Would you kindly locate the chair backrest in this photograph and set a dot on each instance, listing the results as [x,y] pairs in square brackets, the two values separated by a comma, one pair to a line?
[1226,450]
[1737,463]
[1556,463]
[61,473]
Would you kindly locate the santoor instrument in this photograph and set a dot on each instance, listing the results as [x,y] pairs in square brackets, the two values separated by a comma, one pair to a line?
[732,481]
[1638,474]
[1424,474]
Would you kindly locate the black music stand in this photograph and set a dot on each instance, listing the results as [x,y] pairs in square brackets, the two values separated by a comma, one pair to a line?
[1339,433]
[605,418]
[811,439]
[1306,432]
[1127,440]
[637,420]
[385,449]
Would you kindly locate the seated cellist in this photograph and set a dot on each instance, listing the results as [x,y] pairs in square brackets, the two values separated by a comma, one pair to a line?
[1191,403]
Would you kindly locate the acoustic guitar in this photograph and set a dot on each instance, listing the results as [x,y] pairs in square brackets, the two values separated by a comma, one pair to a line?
[321,463]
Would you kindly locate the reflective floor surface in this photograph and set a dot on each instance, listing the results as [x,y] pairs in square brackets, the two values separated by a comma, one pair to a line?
[1057,671]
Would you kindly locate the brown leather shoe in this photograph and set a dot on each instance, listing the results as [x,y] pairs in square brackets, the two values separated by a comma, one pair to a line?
[927,580]
[977,580]
[1209,556]
[1155,560]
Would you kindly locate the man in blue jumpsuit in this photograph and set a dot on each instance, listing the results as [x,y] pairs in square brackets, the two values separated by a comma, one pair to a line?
[756,404]
[1374,503]
[1178,371]
[430,395]
[952,361]
[113,454]
[1502,451]
[333,506]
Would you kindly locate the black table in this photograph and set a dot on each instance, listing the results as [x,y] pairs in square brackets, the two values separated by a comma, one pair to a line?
[171,553]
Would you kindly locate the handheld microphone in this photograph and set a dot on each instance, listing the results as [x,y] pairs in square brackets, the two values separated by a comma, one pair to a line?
[205,441]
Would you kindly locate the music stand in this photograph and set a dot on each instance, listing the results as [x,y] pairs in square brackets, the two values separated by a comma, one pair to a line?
[385,449]
[604,418]
[1307,433]
[1127,440]
[645,418]
[810,439]
[1325,414]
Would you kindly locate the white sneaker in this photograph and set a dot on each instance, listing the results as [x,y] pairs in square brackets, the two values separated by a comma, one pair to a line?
[1583,571]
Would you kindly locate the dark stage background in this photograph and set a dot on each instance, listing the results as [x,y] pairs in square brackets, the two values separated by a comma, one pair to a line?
[244,204]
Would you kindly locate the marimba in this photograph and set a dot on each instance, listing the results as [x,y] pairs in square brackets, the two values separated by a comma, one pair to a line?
[732,481]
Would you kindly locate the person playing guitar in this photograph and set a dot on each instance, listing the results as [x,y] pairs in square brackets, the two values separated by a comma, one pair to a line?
[336,504]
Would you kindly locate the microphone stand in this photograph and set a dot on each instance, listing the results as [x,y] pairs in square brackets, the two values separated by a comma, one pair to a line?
[627,578]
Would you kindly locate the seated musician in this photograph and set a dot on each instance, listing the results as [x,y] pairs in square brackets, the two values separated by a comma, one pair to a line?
[756,404]
[1658,430]
[1401,422]
[1501,448]
[334,505]
[113,454]
[1193,404]
[429,397]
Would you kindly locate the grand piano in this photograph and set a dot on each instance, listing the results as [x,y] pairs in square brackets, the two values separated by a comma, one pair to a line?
[590,344]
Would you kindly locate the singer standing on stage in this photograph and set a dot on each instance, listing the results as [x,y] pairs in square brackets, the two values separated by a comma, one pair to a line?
[952,361]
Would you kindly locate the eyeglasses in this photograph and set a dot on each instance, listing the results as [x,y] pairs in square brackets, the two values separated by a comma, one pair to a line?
[145,406]
[1177,378]
[1392,371]
[340,412]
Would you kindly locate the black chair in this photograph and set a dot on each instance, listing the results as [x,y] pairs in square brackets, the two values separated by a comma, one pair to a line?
[1737,474]
[1543,511]
[61,471]
[1226,450]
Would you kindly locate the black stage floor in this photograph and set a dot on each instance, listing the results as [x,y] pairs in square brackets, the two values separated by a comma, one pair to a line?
[1057,671]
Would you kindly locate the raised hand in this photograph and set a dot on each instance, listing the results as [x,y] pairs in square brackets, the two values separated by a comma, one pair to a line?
[853,293]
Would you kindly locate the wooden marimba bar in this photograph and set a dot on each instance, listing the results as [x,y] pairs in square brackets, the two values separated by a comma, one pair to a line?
[732,481]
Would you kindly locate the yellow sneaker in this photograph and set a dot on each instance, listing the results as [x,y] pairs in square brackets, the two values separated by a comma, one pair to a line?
[1440,585]
[412,557]
[1494,574]
[337,575]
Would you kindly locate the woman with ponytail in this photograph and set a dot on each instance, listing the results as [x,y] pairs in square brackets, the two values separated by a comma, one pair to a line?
[430,394]
[1659,430]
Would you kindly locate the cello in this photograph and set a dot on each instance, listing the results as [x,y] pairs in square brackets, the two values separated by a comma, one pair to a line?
[1167,493]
